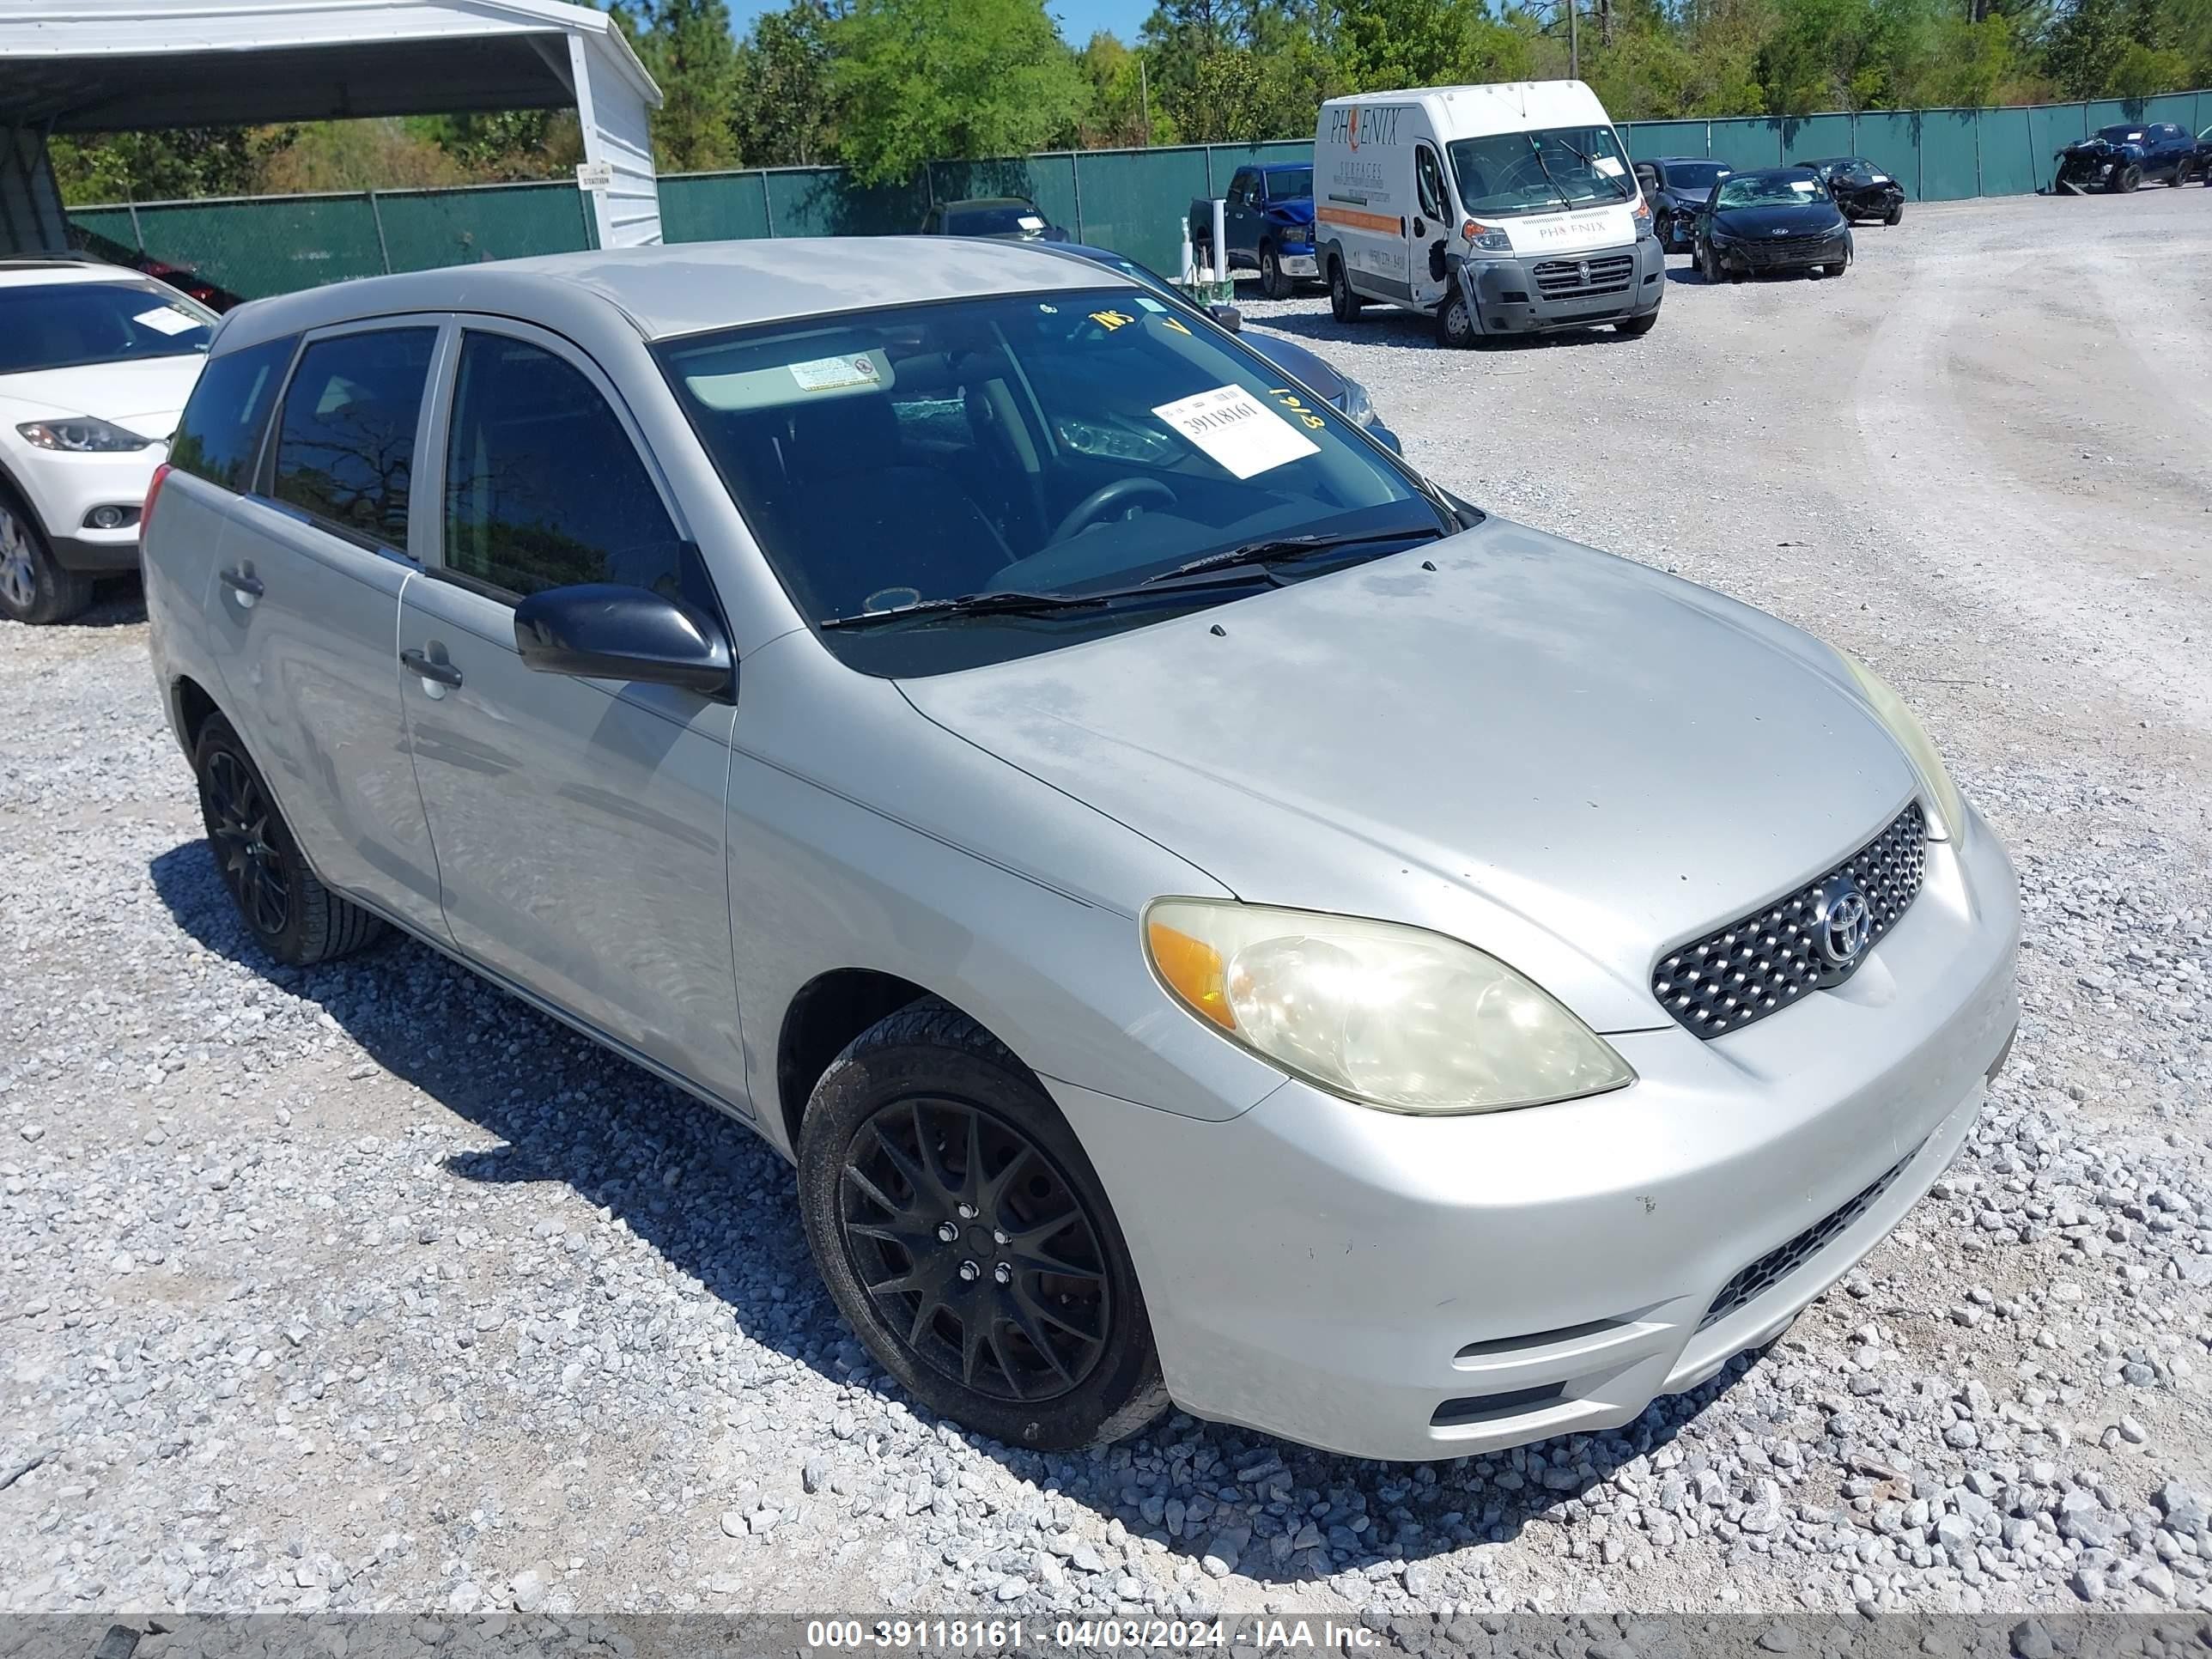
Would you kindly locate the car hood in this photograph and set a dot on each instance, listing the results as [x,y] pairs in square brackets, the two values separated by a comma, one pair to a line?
[1297,361]
[1292,210]
[2099,146]
[1564,758]
[1786,218]
[145,396]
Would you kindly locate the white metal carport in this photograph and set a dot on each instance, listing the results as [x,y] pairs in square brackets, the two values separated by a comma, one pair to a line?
[114,65]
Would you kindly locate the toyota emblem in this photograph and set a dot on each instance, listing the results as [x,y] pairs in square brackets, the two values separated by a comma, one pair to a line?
[1843,925]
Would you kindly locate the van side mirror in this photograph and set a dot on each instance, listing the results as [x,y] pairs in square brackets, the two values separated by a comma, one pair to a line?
[606,631]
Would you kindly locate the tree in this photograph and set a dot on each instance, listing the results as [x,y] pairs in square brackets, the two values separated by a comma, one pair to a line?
[685,45]
[1123,111]
[915,79]
[154,167]
[785,113]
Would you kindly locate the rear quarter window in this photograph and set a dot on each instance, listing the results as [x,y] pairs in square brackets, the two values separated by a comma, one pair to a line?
[220,432]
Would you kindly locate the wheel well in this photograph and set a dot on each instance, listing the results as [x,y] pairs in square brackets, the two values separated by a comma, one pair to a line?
[194,708]
[828,1013]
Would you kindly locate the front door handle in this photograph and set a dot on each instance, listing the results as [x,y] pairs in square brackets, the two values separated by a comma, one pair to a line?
[436,676]
[246,585]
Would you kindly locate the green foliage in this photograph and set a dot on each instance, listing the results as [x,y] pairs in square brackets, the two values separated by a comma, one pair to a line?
[154,167]
[919,79]
[685,45]
[784,113]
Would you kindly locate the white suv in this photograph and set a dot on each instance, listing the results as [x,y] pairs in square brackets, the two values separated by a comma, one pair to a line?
[96,362]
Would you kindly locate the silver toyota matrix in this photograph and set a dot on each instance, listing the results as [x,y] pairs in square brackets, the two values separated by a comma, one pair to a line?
[1212,918]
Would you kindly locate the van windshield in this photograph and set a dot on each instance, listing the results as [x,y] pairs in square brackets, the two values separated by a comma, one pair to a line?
[943,485]
[1539,172]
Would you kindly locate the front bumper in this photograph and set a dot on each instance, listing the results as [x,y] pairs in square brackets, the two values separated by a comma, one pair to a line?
[66,491]
[1411,1288]
[1299,260]
[1785,253]
[1530,294]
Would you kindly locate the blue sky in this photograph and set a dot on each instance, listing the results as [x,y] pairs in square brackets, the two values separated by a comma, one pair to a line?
[1078,19]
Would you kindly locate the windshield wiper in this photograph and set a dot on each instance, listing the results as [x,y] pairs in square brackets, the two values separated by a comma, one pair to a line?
[1283,549]
[1010,603]
[1536,149]
[1619,192]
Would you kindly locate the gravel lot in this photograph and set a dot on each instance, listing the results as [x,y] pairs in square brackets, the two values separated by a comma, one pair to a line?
[366,1287]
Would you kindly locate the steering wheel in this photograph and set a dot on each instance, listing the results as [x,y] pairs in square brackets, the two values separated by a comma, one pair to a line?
[1122,492]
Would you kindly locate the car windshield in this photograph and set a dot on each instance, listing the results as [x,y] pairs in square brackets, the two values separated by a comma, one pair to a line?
[1283,183]
[2121,135]
[1768,190]
[993,219]
[68,324]
[1694,175]
[1510,172]
[1853,171]
[1036,447]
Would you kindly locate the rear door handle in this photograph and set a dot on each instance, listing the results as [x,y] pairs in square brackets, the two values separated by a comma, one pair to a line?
[245,584]
[435,676]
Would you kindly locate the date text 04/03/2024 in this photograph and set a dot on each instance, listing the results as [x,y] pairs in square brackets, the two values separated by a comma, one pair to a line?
[1097,1635]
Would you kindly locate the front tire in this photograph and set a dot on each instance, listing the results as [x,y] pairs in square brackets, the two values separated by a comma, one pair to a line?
[1272,283]
[1026,1322]
[1896,214]
[290,914]
[1344,302]
[1709,264]
[1455,325]
[2128,179]
[34,588]
[1636,327]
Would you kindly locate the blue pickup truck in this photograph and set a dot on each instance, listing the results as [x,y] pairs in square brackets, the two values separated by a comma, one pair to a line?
[1268,226]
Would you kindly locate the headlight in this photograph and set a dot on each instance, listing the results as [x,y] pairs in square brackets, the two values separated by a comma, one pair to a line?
[1390,1015]
[1487,238]
[1353,403]
[1948,806]
[83,437]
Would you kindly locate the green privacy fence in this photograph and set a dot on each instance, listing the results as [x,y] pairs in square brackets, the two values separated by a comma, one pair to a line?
[1131,200]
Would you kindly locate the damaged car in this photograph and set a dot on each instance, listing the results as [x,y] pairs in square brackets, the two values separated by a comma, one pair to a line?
[2125,156]
[1860,189]
[1777,219]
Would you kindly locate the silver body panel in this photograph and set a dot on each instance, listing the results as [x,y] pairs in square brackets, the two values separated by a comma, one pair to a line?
[1569,761]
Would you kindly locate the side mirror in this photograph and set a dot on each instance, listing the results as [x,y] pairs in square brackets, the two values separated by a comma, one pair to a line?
[606,631]
[1228,317]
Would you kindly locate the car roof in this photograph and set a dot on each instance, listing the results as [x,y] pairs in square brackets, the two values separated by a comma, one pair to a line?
[686,288]
[988,202]
[1677,161]
[33,270]
[1773,172]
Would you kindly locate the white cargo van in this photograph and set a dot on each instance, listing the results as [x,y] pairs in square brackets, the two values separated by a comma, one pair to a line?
[1496,209]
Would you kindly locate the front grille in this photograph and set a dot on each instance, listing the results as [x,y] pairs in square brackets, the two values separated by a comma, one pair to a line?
[1580,279]
[1778,1263]
[1770,958]
[1793,250]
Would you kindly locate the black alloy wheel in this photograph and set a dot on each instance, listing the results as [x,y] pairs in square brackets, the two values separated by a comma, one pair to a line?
[2130,179]
[239,818]
[1272,283]
[964,1236]
[1896,214]
[290,914]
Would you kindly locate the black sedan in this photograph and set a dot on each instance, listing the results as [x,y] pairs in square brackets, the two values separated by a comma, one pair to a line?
[1860,188]
[1674,188]
[1777,219]
[999,218]
[1343,393]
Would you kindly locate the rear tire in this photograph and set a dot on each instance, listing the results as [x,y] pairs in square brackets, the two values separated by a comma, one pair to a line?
[34,588]
[290,914]
[1344,302]
[925,1124]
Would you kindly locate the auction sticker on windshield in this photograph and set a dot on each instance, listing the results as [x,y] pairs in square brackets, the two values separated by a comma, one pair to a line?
[830,373]
[1237,430]
[166,320]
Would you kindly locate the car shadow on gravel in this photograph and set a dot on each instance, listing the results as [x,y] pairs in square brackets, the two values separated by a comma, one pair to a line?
[719,1206]
[1396,329]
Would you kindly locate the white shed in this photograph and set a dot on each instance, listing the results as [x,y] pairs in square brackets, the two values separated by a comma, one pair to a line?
[112,65]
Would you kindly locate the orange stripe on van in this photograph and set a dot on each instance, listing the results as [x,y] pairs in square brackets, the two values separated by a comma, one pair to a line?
[1352,219]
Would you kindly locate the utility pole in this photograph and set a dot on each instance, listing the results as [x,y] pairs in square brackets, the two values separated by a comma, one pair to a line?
[1574,46]
[1145,98]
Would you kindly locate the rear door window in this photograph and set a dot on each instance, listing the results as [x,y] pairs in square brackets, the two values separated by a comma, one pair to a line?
[220,432]
[345,443]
